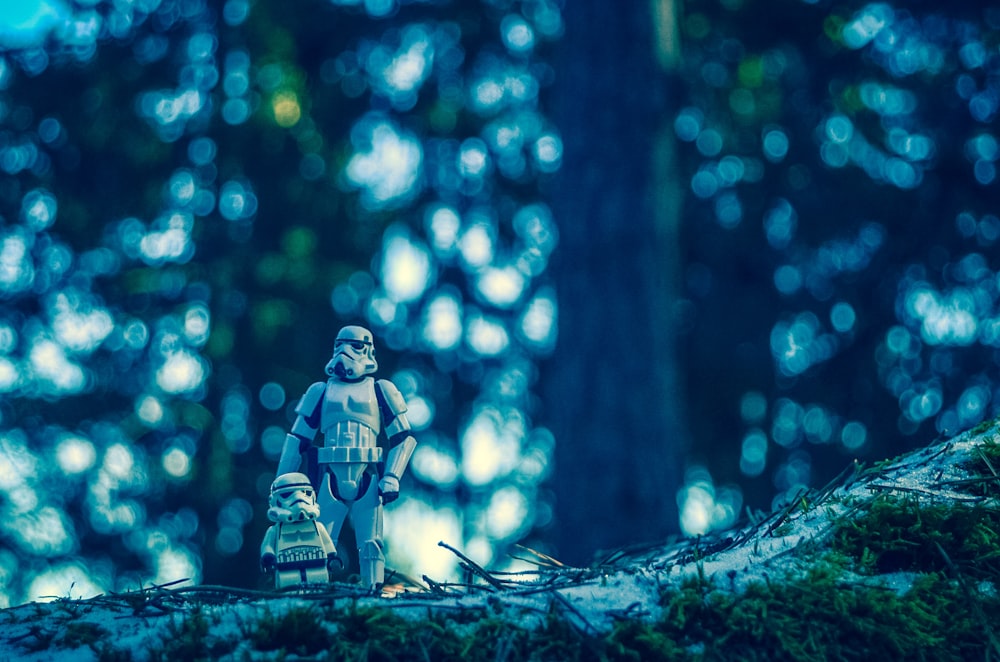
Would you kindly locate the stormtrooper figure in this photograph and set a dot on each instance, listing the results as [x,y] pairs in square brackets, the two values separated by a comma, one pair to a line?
[297,548]
[356,476]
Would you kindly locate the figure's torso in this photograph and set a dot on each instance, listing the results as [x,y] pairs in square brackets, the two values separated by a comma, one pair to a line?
[350,422]
[350,414]
[299,542]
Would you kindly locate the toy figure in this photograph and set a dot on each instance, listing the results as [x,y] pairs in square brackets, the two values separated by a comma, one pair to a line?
[352,409]
[297,547]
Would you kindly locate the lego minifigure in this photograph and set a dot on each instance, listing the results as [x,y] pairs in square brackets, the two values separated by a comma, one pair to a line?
[355,477]
[297,547]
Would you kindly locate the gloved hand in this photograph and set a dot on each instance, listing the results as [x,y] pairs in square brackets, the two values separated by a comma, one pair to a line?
[388,489]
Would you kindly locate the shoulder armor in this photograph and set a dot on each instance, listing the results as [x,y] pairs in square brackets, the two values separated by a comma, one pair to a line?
[311,399]
[391,397]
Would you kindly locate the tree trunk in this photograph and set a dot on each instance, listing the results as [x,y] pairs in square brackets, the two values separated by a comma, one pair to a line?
[612,394]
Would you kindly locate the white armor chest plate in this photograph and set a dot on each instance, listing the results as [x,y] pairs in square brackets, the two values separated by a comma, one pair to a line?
[346,403]
[299,541]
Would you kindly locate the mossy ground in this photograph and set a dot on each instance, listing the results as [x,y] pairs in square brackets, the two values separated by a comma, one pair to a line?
[899,569]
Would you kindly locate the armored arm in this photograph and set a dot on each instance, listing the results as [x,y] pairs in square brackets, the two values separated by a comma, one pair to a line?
[267,553]
[400,440]
[303,429]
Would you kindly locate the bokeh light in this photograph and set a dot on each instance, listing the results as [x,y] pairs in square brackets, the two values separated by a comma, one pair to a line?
[230,184]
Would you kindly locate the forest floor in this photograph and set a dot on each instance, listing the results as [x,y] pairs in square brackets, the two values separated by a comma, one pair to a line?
[898,560]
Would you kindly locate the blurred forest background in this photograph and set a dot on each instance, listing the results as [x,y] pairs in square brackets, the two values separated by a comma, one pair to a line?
[638,268]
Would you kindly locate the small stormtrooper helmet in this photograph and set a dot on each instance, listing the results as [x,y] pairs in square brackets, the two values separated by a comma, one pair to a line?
[353,354]
[293,499]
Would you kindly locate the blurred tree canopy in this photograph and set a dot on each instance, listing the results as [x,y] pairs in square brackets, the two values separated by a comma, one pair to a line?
[763,233]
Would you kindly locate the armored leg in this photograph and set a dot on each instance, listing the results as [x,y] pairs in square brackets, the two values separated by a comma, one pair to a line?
[332,511]
[317,575]
[372,563]
[283,578]
[366,518]
[305,574]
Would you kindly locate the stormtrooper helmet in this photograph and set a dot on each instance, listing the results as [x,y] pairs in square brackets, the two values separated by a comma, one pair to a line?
[293,499]
[353,354]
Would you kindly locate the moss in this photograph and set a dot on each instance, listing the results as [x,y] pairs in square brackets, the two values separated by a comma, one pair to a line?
[107,652]
[189,639]
[985,469]
[78,635]
[827,598]
[371,633]
[374,633]
[911,535]
[819,616]
[638,641]
[39,638]
[839,609]
[985,426]
[300,630]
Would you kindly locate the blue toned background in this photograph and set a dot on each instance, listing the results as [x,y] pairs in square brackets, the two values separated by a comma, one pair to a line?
[635,268]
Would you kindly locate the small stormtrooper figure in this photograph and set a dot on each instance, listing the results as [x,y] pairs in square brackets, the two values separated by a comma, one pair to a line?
[297,547]
[356,475]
